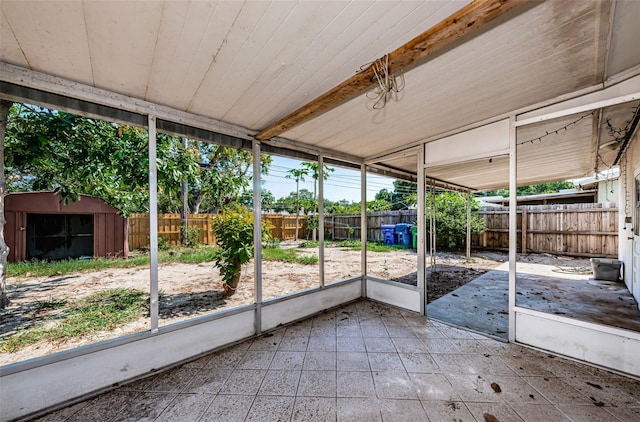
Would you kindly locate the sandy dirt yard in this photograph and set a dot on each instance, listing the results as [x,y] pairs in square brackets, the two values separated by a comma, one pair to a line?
[191,290]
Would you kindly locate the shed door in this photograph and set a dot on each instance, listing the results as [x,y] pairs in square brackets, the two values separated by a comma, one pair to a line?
[59,236]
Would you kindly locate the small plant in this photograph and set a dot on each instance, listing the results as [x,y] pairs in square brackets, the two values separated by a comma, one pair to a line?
[350,243]
[313,222]
[272,243]
[309,244]
[163,245]
[191,236]
[350,231]
[234,235]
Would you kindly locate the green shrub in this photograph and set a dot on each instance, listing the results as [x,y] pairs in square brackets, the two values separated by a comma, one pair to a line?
[234,236]
[451,218]
[191,235]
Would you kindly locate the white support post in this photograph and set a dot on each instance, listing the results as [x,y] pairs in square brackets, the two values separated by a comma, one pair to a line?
[363,227]
[257,238]
[468,227]
[321,217]
[421,222]
[153,225]
[513,229]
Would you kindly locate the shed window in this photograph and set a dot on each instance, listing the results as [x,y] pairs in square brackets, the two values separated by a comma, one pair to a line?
[59,236]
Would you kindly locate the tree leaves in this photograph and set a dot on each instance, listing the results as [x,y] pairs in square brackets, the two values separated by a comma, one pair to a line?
[52,150]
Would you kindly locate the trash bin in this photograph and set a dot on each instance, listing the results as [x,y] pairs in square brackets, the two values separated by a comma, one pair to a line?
[403,231]
[606,269]
[414,237]
[388,234]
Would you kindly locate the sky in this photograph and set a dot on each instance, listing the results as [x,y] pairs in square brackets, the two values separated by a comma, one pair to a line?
[341,184]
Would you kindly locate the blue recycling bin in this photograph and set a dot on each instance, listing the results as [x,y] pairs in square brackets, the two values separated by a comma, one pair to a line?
[403,231]
[388,234]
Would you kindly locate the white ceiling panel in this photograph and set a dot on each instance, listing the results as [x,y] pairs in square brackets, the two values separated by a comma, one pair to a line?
[122,43]
[46,39]
[191,35]
[9,48]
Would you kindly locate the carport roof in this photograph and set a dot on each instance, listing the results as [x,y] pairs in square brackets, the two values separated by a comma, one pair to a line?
[244,65]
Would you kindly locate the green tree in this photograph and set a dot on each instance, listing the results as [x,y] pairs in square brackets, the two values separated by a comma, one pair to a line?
[223,175]
[379,205]
[298,176]
[404,195]
[267,200]
[314,170]
[75,155]
[451,218]
[384,195]
[551,187]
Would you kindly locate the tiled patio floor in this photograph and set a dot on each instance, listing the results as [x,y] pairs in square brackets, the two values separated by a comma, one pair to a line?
[370,362]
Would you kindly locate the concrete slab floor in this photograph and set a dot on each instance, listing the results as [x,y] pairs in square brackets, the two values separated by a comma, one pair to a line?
[482,304]
[367,361]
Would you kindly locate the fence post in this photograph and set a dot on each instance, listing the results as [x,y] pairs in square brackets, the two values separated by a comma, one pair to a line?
[524,229]
[333,227]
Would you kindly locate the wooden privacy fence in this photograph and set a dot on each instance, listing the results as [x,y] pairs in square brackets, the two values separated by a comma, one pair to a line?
[574,229]
[347,226]
[588,230]
[283,227]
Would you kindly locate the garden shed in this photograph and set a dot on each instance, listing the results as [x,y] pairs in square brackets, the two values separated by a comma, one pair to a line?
[40,226]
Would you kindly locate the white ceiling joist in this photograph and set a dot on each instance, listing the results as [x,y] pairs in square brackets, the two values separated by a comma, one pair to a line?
[579,109]
[623,92]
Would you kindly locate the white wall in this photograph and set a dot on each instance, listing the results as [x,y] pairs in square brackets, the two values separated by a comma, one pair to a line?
[601,345]
[392,293]
[608,191]
[627,204]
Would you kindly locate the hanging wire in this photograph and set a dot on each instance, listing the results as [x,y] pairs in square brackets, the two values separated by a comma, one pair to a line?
[627,194]
[388,84]
[557,131]
[619,134]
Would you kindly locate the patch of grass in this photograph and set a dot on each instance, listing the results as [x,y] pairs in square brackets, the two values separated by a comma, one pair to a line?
[309,244]
[288,255]
[352,244]
[104,310]
[356,245]
[51,304]
[192,255]
[381,247]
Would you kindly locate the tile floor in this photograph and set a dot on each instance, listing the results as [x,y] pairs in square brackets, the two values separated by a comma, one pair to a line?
[370,362]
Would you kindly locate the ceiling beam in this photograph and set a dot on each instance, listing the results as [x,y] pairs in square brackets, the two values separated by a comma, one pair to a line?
[463,22]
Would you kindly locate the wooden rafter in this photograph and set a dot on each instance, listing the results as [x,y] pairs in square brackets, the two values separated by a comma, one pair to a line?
[466,20]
